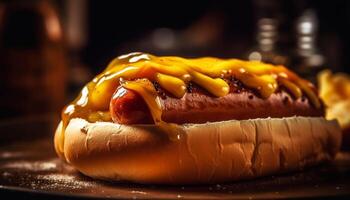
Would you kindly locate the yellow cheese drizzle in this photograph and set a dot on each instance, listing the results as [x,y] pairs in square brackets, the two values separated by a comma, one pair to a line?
[136,71]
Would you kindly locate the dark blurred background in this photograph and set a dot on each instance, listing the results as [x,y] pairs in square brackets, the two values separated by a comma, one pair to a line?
[50,48]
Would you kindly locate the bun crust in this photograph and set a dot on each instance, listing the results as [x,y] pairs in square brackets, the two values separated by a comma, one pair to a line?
[205,153]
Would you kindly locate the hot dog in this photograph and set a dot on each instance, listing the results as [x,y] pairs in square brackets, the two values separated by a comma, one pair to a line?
[174,120]
[198,106]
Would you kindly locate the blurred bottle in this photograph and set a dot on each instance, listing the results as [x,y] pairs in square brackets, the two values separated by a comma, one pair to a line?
[32,59]
[75,26]
[268,47]
[307,59]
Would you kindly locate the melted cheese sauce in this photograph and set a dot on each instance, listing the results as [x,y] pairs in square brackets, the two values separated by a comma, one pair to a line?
[137,71]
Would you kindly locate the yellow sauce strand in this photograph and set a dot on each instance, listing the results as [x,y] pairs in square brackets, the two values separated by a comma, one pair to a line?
[103,89]
[265,85]
[291,87]
[136,71]
[174,85]
[306,88]
[217,86]
[146,89]
[171,70]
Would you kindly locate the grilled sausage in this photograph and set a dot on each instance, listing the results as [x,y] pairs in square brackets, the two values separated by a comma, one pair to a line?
[198,106]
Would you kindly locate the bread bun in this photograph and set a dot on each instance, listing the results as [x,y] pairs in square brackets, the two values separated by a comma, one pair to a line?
[206,153]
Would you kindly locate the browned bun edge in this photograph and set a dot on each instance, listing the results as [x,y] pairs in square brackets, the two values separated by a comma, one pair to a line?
[206,153]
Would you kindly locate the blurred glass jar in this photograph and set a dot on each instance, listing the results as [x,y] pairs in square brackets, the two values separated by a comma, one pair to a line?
[32,59]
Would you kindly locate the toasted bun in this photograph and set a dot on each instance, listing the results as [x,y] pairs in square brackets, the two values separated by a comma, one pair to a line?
[206,153]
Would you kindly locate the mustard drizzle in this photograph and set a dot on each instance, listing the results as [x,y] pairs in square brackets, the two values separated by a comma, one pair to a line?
[135,71]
